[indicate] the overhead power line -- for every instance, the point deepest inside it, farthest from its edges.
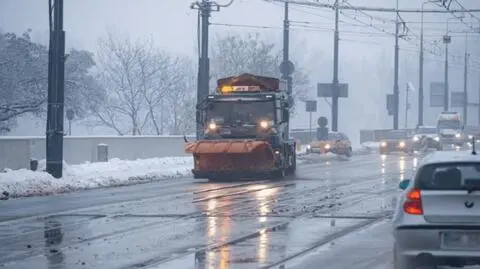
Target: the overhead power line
(376, 9)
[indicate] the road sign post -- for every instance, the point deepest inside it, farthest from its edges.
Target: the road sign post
(310, 107)
(331, 90)
(457, 99)
(437, 92)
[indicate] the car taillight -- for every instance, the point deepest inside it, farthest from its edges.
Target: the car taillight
(413, 203)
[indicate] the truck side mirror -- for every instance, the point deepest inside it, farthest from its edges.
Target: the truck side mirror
(286, 115)
(198, 116)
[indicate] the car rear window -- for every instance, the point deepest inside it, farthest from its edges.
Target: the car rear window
(449, 176)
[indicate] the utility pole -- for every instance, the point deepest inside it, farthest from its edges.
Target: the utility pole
(287, 67)
(446, 40)
(56, 89)
(205, 9)
(420, 80)
(335, 86)
(395, 83)
(465, 83)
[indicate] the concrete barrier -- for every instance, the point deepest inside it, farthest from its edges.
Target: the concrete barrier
(16, 152)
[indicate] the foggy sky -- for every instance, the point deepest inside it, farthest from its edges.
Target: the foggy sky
(172, 25)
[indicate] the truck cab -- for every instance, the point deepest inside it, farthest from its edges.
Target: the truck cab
(450, 129)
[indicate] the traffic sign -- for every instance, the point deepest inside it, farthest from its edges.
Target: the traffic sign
(437, 93)
(322, 121)
(311, 106)
(390, 104)
(457, 99)
(70, 114)
(287, 67)
(327, 90)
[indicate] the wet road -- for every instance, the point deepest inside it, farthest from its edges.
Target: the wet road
(195, 224)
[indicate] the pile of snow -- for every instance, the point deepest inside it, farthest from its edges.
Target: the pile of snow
(93, 175)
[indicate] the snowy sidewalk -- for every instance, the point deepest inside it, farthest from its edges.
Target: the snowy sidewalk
(116, 172)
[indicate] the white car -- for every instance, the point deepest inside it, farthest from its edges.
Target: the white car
(437, 218)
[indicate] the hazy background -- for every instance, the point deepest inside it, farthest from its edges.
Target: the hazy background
(366, 48)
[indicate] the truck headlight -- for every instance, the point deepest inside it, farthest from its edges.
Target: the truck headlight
(415, 138)
(264, 124)
(212, 126)
(401, 144)
(327, 146)
(383, 144)
(437, 138)
(458, 135)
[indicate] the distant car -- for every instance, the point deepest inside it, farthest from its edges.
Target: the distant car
(336, 143)
(396, 141)
(437, 219)
(426, 138)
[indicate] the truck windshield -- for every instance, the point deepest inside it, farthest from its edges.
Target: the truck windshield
(424, 130)
(448, 124)
(244, 112)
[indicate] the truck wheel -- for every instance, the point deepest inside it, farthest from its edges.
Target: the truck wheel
(279, 174)
(293, 166)
(349, 152)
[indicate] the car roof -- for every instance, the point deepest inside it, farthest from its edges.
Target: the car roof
(439, 157)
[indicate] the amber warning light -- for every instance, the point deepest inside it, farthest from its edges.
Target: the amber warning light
(229, 89)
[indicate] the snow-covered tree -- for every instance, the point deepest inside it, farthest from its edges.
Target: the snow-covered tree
(236, 53)
(24, 79)
(147, 88)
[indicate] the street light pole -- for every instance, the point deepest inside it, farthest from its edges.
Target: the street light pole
(465, 82)
(420, 80)
(446, 40)
(395, 83)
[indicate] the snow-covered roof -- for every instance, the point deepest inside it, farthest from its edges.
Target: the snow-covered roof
(449, 157)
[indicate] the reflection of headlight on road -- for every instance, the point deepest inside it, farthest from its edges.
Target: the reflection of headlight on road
(437, 138)
(401, 144)
(383, 144)
(415, 138)
(212, 126)
(458, 135)
(327, 146)
(264, 124)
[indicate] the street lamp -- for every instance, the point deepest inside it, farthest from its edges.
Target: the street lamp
(420, 80)
(446, 40)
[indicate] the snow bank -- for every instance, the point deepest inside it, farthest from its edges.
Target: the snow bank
(93, 175)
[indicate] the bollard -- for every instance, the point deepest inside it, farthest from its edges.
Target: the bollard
(33, 164)
(102, 153)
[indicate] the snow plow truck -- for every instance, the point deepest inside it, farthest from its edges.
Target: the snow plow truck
(245, 126)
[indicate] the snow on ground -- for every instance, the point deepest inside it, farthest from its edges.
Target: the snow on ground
(23, 182)
(93, 175)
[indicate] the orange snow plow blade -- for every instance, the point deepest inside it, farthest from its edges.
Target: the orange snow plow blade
(231, 155)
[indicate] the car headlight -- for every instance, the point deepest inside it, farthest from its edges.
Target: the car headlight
(383, 144)
(470, 137)
(458, 135)
(415, 138)
(401, 144)
(309, 147)
(212, 126)
(437, 138)
(264, 124)
(327, 146)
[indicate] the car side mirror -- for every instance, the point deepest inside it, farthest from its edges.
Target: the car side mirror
(404, 184)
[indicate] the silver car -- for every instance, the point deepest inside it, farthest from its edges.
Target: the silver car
(437, 218)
